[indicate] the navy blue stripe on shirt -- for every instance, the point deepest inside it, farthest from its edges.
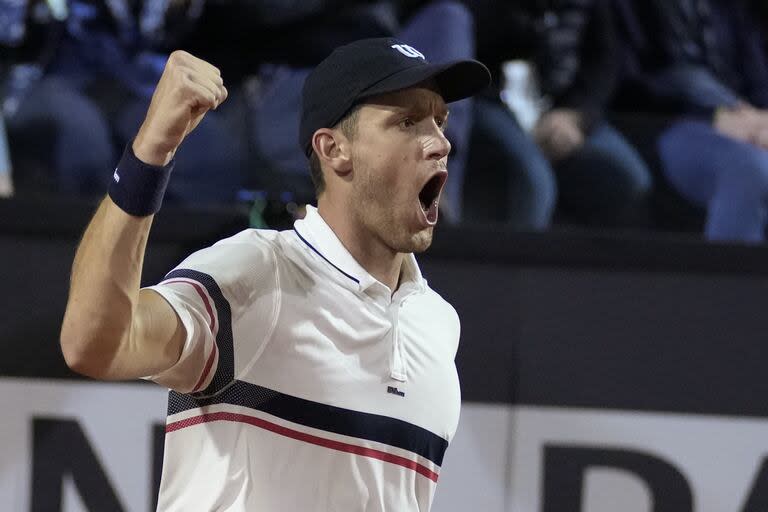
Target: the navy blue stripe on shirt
(326, 259)
(225, 371)
(372, 427)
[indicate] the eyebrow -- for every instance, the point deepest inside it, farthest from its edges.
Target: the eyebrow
(422, 109)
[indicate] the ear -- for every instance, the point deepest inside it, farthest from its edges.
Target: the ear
(333, 149)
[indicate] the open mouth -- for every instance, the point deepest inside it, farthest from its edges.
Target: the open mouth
(430, 196)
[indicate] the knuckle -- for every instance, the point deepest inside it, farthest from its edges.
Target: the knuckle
(180, 54)
(175, 58)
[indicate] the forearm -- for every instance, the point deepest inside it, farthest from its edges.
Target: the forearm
(104, 289)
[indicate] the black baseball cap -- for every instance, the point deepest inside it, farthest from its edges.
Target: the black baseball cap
(369, 67)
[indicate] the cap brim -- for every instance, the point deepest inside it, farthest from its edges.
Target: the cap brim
(455, 80)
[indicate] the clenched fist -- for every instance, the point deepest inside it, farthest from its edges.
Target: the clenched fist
(188, 88)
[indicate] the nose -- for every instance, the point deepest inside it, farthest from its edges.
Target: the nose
(438, 146)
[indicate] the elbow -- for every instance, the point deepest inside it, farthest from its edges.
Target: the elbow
(83, 352)
(77, 355)
(76, 361)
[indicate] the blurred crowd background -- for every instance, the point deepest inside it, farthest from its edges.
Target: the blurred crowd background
(605, 114)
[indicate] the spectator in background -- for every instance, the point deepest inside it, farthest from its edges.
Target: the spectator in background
(54, 131)
(500, 149)
(703, 62)
(292, 37)
(573, 152)
(91, 90)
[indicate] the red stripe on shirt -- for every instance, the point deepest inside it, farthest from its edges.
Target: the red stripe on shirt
(207, 369)
(302, 436)
(212, 356)
(200, 291)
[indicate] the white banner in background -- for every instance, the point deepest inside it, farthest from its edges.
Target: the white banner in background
(116, 420)
(91, 447)
(83, 437)
(576, 460)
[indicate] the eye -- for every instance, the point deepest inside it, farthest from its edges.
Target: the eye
(407, 123)
(441, 122)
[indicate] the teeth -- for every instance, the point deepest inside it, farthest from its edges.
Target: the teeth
(426, 208)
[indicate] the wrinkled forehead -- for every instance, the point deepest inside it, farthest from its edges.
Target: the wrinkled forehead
(424, 97)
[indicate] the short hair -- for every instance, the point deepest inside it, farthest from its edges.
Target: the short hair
(348, 126)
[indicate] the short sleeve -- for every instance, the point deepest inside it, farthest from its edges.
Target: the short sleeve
(227, 298)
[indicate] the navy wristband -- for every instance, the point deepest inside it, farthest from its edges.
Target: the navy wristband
(138, 188)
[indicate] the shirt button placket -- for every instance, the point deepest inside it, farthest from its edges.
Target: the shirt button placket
(398, 371)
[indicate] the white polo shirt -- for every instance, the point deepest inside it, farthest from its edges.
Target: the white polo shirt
(305, 384)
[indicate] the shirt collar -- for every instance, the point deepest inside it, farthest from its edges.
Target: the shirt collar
(318, 236)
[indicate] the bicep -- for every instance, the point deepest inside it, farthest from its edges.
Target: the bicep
(157, 335)
(153, 343)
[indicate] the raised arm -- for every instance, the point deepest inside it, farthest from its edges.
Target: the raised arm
(111, 329)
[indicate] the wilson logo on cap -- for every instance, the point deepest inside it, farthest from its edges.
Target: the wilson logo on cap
(408, 51)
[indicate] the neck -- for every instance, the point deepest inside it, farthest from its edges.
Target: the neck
(369, 251)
